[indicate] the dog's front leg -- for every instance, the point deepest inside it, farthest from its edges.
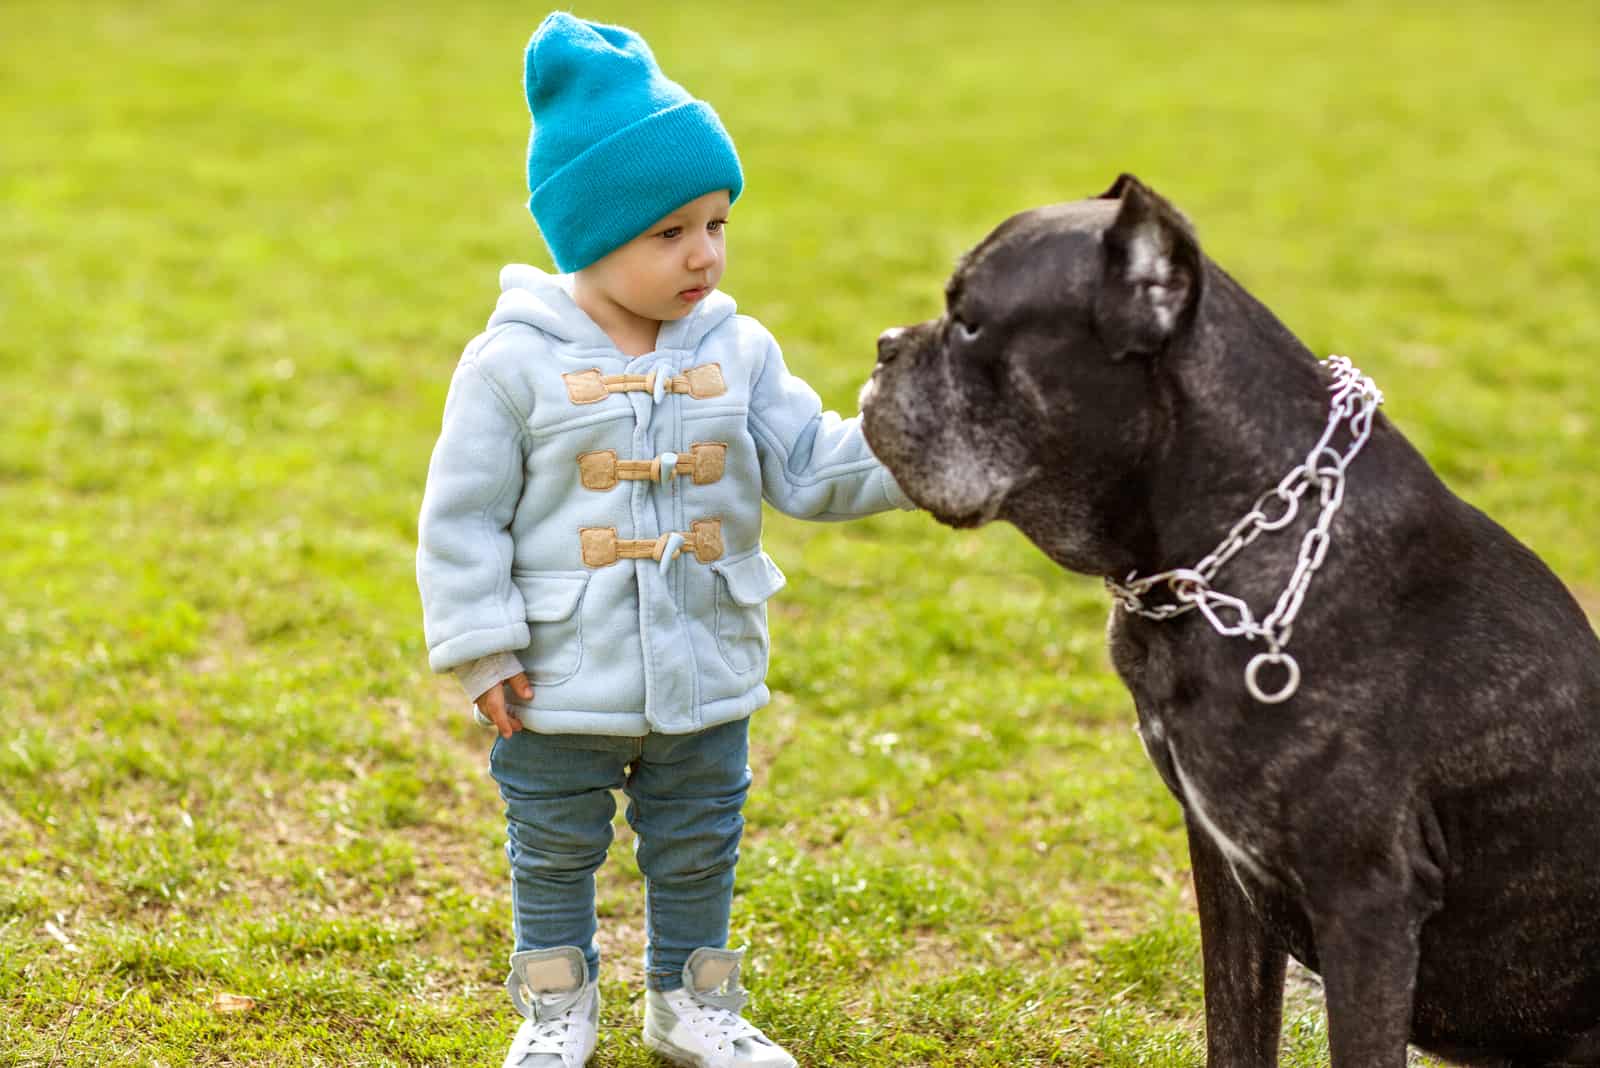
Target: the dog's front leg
(1243, 967)
(1367, 945)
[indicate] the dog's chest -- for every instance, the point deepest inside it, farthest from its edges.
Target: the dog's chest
(1231, 822)
(1216, 799)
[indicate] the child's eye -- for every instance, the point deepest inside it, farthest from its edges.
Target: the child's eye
(671, 232)
(716, 225)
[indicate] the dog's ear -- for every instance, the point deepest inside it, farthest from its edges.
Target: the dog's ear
(1120, 186)
(1151, 280)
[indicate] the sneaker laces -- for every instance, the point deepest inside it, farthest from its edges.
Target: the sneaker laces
(716, 1024)
(549, 1035)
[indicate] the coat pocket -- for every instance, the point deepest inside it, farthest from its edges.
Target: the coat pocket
(555, 623)
(744, 583)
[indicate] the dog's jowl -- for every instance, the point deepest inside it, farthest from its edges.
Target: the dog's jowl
(1405, 792)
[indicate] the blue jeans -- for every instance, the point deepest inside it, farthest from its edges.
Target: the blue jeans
(685, 794)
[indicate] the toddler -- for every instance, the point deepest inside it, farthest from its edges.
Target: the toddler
(590, 544)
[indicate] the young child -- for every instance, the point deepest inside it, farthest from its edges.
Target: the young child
(590, 543)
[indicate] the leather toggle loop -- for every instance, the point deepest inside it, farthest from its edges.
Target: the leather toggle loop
(698, 382)
(601, 547)
(704, 463)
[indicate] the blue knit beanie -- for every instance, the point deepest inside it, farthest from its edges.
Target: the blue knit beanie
(615, 144)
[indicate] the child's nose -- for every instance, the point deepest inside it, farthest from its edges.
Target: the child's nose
(702, 254)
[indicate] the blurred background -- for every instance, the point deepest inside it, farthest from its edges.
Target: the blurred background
(240, 252)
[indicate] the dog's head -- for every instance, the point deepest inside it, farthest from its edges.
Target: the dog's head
(1031, 398)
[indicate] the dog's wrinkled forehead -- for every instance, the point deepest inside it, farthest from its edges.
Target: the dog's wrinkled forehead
(1045, 252)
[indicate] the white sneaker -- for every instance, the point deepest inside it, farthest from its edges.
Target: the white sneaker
(552, 988)
(700, 1026)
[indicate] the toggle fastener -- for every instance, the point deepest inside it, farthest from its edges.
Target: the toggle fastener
(601, 547)
(704, 464)
(592, 387)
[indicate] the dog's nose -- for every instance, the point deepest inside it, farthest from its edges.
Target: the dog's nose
(887, 341)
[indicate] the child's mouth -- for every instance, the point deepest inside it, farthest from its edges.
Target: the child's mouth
(692, 295)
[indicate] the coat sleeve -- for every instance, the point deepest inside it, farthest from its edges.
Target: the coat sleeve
(470, 608)
(814, 465)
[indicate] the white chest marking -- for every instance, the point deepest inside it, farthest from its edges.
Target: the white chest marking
(1153, 736)
(1236, 854)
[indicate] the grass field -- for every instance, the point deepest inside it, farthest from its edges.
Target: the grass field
(240, 249)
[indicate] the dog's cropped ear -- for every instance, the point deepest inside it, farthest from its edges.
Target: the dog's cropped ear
(1151, 280)
(1120, 186)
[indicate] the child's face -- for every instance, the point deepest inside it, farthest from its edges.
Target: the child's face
(665, 271)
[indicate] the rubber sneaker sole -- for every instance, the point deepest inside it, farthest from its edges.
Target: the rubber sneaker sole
(675, 1054)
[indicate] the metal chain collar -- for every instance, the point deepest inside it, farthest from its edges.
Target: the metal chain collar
(1355, 399)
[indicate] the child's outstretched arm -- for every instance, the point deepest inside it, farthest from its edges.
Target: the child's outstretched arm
(814, 465)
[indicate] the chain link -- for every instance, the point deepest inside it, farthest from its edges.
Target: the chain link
(1356, 398)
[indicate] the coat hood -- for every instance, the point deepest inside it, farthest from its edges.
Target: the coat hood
(544, 301)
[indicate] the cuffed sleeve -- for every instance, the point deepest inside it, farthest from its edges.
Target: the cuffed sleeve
(479, 675)
(814, 465)
(470, 608)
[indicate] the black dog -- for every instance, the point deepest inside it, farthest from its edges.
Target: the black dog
(1417, 815)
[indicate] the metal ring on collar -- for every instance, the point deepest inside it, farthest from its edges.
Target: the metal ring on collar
(1289, 687)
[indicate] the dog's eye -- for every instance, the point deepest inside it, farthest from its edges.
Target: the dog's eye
(964, 330)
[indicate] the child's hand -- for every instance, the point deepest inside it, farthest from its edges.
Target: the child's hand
(492, 703)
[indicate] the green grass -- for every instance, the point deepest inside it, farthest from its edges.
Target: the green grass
(240, 249)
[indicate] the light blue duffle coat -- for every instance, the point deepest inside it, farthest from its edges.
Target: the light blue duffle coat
(600, 516)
